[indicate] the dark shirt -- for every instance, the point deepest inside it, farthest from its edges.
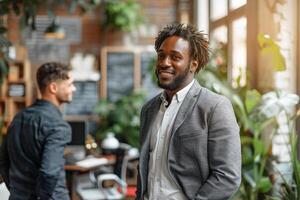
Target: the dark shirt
(31, 157)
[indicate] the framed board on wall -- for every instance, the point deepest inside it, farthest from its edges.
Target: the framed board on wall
(124, 69)
(119, 72)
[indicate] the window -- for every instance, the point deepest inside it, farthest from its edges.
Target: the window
(219, 34)
(239, 50)
(218, 9)
(228, 25)
(234, 4)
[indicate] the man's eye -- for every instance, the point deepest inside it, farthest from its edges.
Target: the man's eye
(176, 58)
(160, 56)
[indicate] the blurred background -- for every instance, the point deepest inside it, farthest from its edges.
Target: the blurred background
(255, 57)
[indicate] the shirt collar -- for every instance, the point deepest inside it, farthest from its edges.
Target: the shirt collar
(179, 96)
(48, 104)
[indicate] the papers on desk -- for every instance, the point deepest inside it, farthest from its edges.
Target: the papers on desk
(92, 162)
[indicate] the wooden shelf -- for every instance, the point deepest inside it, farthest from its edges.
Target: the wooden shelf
(82, 118)
(18, 99)
(16, 91)
(21, 81)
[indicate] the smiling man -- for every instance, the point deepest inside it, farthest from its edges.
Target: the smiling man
(31, 157)
(189, 137)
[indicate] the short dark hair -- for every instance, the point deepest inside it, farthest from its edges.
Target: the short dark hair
(199, 45)
(50, 72)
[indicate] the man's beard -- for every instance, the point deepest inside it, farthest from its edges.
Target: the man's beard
(176, 82)
(64, 100)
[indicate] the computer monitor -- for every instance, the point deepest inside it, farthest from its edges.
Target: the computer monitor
(79, 132)
(75, 150)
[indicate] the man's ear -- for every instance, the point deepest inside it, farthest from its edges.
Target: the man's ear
(52, 87)
(194, 66)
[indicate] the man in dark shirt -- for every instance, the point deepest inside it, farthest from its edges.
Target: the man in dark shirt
(31, 157)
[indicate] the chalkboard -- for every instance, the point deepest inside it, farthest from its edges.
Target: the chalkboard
(71, 26)
(120, 72)
(147, 82)
(47, 51)
(84, 100)
(41, 49)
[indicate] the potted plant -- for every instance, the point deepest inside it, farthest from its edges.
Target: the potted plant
(123, 15)
(121, 118)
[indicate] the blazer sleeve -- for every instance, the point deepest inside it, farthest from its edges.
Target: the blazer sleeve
(4, 162)
(52, 162)
(224, 154)
(138, 184)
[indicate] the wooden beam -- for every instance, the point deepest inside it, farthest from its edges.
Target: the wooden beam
(232, 15)
(252, 44)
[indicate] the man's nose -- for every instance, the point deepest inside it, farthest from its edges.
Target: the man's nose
(166, 61)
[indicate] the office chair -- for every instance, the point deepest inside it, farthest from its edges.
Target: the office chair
(106, 183)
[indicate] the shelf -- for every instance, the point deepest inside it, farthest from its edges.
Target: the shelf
(15, 93)
(18, 71)
(18, 99)
(21, 81)
(82, 117)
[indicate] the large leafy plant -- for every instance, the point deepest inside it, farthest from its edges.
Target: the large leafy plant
(256, 115)
(123, 15)
(290, 189)
(121, 117)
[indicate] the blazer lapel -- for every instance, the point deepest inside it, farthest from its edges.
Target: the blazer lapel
(150, 115)
(187, 105)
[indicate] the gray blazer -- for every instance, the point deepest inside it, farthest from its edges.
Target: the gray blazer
(204, 156)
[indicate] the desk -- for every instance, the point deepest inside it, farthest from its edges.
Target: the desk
(73, 170)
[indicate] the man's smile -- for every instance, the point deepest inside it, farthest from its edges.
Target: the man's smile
(166, 73)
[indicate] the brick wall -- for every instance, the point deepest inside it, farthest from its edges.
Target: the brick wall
(157, 13)
(94, 35)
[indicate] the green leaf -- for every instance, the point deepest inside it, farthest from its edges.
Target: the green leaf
(247, 157)
(259, 149)
(248, 177)
(123, 15)
(270, 53)
(264, 40)
(122, 117)
(264, 184)
(295, 161)
(246, 140)
(253, 98)
(273, 58)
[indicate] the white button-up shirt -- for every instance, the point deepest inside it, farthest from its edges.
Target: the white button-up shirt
(160, 182)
